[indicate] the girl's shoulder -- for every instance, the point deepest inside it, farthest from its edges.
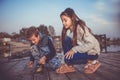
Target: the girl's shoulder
(79, 29)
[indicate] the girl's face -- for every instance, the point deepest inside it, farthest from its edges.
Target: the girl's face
(67, 22)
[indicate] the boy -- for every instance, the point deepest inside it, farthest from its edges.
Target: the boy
(42, 48)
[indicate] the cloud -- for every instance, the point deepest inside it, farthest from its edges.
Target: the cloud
(100, 25)
(100, 6)
(108, 12)
(106, 7)
(115, 1)
(98, 20)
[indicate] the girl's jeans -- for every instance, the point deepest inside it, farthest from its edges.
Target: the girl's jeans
(78, 58)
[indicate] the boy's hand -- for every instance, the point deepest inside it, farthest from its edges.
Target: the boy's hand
(42, 60)
(30, 64)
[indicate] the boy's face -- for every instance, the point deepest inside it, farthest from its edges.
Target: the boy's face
(35, 39)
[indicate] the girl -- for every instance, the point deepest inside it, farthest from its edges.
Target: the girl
(79, 44)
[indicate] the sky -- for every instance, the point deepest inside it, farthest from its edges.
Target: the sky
(102, 16)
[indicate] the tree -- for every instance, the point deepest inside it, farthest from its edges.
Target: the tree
(5, 35)
(43, 29)
(51, 30)
(15, 36)
(23, 31)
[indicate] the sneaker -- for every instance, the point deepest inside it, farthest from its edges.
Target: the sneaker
(91, 68)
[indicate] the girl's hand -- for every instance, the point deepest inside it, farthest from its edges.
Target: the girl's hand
(42, 60)
(69, 54)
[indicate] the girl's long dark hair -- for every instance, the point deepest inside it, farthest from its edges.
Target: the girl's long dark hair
(75, 20)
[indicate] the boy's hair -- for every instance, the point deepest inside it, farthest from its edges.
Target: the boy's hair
(31, 31)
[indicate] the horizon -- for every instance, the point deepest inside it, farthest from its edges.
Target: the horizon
(101, 16)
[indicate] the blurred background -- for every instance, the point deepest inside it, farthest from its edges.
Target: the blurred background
(16, 16)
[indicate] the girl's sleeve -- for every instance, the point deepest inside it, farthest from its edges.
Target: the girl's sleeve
(85, 44)
(83, 47)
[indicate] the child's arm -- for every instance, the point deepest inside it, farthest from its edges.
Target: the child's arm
(87, 44)
(42, 60)
(30, 64)
(31, 58)
(52, 50)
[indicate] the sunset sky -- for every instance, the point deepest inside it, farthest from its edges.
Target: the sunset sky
(100, 15)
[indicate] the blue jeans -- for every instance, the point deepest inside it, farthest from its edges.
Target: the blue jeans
(78, 58)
